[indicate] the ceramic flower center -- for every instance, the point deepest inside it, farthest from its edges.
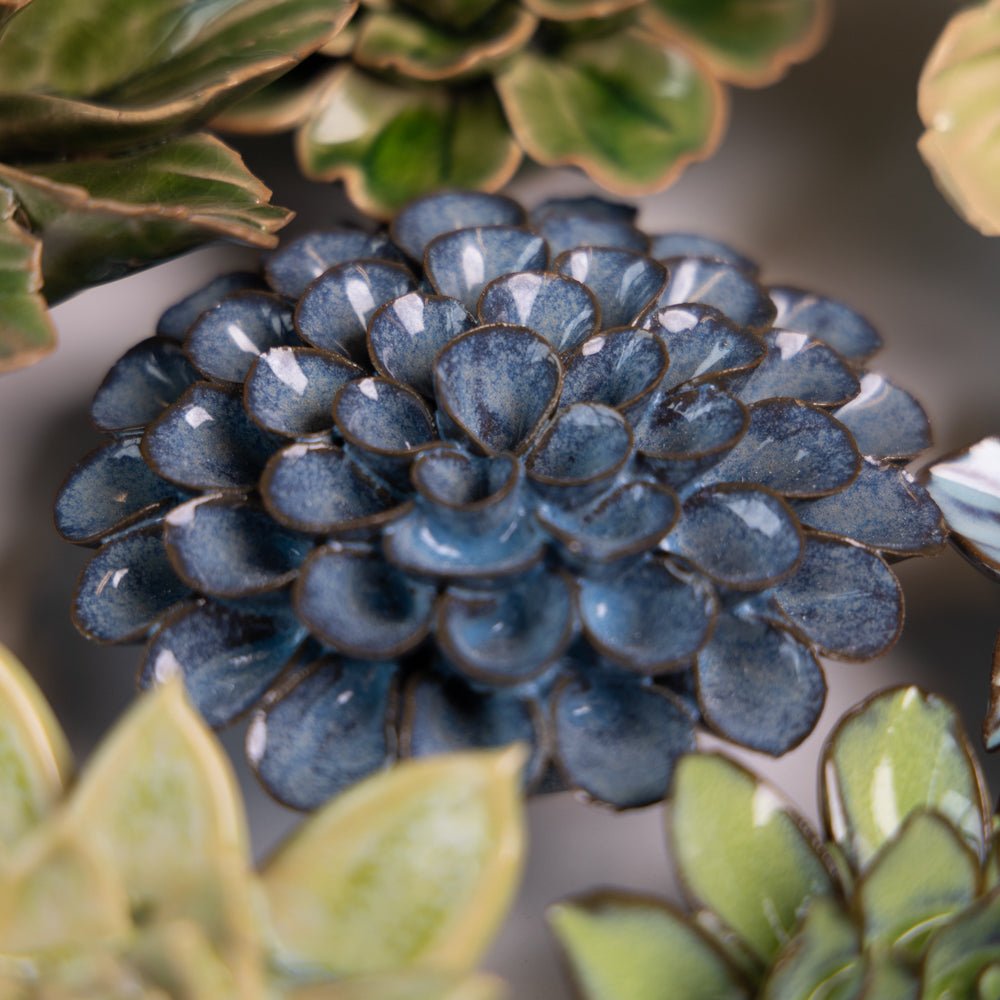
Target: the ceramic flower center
(488, 478)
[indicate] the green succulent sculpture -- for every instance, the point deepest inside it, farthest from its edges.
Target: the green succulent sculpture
(136, 882)
(416, 96)
(959, 103)
(102, 169)
(902, 902)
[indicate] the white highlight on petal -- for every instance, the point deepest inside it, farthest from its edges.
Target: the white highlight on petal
(166, 666)
(359, 294)
(196, 416)
(368, 388)
(883, 793)
(764, 806)
(286, 369)
(257, 738)
(241, 340)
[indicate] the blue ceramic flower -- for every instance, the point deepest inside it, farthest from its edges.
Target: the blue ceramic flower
(492, 477)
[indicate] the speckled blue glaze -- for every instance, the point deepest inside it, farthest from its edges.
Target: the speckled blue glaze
(500, 480)
(177, 320)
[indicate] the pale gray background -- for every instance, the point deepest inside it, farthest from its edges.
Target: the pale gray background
(819, 179)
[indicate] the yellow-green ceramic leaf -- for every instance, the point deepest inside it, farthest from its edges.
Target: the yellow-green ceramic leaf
(988, 984)
(958, 97)
(391, 143)
(750, 42)
(408, 985)
(632, 948)
(918, 881)
(822, 961)
(742, 852)
(396, 41)
(415, 867)
(628, 110)
(901, 751)
(34, 756)
(887, 977)
(959, 953)
(99, 219)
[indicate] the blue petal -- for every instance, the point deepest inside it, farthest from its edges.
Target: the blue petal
(883, 508)
(316, 487)
(443, 715)
(621, 368)
(111, 488)
(670, 245)
(328, 730)
(844, 599)
(126, 587)
(584, 206)
(562, 310)
(508, 634)
(886, 421)
(362, 606)
(383, 417)
(628, 521)
(720, 285)
(702, 343)
(226, 340)
(461, 264)
(801, 368)
(498, 383)
(141, 384)
(792, 448)
(759, 686)
(742, 537)
(966, 486)
(648, 617)
(623, 282)
(228, 657)
(406, 334)
(618, 741)
(290, 390)
(226, 547)
(207, 441)
(291, 269)
(572, 232)
(177, 320)
(420, 221)
(334, 311)
(832, 322)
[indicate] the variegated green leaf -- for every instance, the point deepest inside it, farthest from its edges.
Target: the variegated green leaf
(34, 756)
(959, 953)
(413, 868)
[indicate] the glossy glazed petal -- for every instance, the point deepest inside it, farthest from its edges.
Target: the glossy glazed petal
(617, 740)
(176, 321)
(334, 310)
(563, 231)
(361, 605)
(290, 390)
(666, 246)
(141, 385)
(406, 334)
(836, 324)
(333, 702)
(383, 417)
(718, 284)
(886, 421)
(624, 282)
(126, 587)
(225, 340)
(228, 657)
(844, 598)
(648, 617)
(758, 685)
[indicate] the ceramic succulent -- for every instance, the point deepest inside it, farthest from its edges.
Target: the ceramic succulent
(959, 99)
(414, 97)
(966, 486)
(485, 479)
(102, 169)
(136, 881)
(901, 901)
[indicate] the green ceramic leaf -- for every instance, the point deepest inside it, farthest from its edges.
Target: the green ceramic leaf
(26, 331)
(742, 852)
(34, 756)
(575, 10)
(750, 42)
(887, 978)
(958, 96)
(822, 961)
(919, 879)
(408, 985)
(396, 41)
(623, 947)
(988, 984)
(100, 219)
(960, 952)
(901, 751)
(391, 143)
(459, 13)
(415, 867)
(626, 109)
(278, 107)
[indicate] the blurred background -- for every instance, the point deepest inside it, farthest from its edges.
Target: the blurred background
(820, 181)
